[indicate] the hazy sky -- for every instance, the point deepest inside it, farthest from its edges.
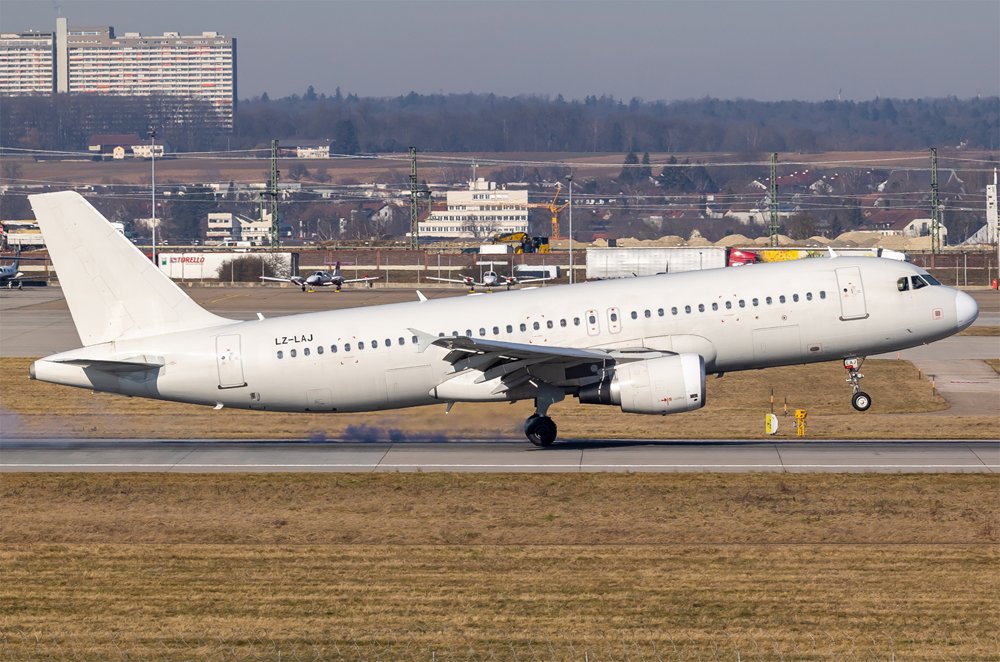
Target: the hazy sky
(803, 49)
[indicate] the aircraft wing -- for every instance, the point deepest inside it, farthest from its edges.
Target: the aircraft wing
(366, 279)
(521, 281)
(517, 363)
(461, 281)
(298, 280)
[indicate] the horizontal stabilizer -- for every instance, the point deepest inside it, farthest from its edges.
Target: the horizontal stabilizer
(129, 365)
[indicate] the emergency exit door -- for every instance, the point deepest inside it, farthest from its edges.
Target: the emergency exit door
(230, 361)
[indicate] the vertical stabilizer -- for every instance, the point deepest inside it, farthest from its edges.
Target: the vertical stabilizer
(112, 289)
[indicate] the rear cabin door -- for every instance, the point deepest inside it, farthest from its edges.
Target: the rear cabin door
(229, 359)
(852, 294)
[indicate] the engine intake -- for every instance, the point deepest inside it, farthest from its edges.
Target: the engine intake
(667, 385)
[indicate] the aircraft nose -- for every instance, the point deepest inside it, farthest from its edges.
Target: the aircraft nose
(966, 310)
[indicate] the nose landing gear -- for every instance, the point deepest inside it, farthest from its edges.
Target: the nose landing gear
(860, 400)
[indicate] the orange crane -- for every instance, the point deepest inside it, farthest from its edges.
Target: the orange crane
(554, 208)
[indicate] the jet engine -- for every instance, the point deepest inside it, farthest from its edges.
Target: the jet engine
(665, 385)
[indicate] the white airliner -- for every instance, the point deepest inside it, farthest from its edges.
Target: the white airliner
(322, 279)
(642, 344)
(490, 280)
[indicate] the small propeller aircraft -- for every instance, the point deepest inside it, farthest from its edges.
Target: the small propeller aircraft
(490, 280)
(10, 273)
(322, 279)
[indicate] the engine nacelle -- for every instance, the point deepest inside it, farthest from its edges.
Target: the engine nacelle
(667, 385)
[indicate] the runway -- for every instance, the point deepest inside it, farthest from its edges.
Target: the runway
(178, 456)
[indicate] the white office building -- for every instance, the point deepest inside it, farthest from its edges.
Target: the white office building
(478, 213)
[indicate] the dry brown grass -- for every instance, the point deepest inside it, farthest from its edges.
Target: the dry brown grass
(438, 566)
(904, 407)
(980, 331)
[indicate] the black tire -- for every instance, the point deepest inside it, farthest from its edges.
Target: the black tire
(540, 430)
(861, 401)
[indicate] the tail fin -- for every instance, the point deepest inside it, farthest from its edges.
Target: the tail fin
(113, 290)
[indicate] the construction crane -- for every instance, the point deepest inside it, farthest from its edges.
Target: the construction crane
(554, 208)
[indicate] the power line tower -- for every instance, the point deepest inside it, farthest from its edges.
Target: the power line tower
(272, 191)
(935, 206)
(773, 227)
(414, 208)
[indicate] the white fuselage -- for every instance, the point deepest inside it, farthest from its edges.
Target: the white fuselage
(369, 358)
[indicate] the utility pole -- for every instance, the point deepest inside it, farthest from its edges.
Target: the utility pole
(773, 227)
(273, 193)
(414, 209)
(935, 207)
(152, 168)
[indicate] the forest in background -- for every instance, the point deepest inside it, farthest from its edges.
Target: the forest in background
(491, 123)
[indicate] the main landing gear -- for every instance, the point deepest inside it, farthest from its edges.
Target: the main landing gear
(539, 428)
(860, 400)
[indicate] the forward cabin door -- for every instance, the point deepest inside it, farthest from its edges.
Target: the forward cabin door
(230, 361)
(852, 294)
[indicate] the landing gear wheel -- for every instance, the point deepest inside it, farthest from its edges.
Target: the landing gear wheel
(540, 430)
(861, 401)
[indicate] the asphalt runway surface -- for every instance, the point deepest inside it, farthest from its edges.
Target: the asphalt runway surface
(177, 456)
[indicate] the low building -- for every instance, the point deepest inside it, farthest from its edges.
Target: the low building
(229, 227)
(480, 211)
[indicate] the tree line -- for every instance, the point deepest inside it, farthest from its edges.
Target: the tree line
(491, 123)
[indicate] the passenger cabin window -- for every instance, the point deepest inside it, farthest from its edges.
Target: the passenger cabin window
(659, 311)
(319, 350)
(647, 313)
(535, 326)
(635, 315)
(701, 307)
(576, 321)
(549, 324)
(673, 310)
(795, 298)
(281, 354)
(510, 329)
(482, 331)
(614, 317)
(729, 305)
(715, 306)
(781, 299)
(347, 346)
(523, 326)
(562, 322)
(769, 301)
(305, 352)
(809, 296)
(291, 353)
(755, 301)
(333, 349)
(361, 346)
(496, 330)
(687, 309)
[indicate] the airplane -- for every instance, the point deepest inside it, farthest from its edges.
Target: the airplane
(644, 344)
(322, 279)
(490, 280)
(10, 273)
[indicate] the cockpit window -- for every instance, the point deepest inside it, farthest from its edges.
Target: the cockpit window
(903, 284)
(931, 279)
(918, 282)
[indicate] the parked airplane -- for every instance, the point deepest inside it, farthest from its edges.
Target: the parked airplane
(490, 280)
(642, 344)
(322, 279)
(10, 273)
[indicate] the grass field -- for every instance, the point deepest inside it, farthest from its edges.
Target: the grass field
(904, 407)
(442, 566)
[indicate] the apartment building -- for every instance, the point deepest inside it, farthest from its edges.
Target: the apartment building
(27, 63)
(96, 60)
